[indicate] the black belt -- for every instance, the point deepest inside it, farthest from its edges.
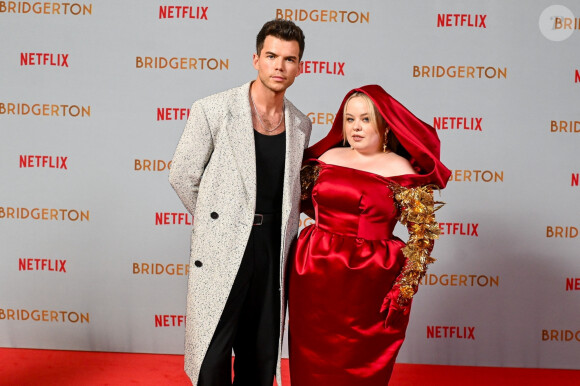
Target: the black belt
(268, 218)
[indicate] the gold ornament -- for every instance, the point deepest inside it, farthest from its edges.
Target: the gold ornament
(417, 208)
(308, 176)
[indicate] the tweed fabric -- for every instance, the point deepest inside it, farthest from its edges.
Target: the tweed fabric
(214, 174)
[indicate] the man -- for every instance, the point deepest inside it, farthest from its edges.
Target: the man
(236, 169)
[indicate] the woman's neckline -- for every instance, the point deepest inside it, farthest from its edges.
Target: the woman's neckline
(365, 171)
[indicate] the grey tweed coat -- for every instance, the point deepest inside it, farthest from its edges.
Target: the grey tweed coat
(214, 173)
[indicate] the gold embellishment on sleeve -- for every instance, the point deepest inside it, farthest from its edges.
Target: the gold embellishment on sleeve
(308, 176)
(417, 208)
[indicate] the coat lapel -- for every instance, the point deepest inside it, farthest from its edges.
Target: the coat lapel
(294, 149)
(241, 135)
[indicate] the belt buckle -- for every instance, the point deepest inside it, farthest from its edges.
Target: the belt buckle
(261, 217)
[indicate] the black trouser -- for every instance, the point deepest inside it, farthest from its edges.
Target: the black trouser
(250, 322)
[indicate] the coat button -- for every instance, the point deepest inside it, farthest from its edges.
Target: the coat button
(214, 215)
(198, 263)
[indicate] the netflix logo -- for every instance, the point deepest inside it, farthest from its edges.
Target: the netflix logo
(182, 12)
(43, 59)
(169, 320)
(43, 161)
(573, 284)
(457, 123)
(458, 228)
(30, 264)
(166, 218)
(172, 113)
(461, 20)
(321, 67)
(450, 332)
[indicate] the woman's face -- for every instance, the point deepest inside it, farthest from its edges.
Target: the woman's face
(360, 130)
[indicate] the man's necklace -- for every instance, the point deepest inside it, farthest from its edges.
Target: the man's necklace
(260, 118)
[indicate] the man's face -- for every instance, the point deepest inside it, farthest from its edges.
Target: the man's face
(278, 64)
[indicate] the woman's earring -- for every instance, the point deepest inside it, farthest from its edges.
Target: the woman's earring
(385, 142)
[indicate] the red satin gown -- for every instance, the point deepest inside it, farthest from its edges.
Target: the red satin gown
(343, 267)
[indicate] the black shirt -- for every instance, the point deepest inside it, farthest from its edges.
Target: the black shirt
(270, 156)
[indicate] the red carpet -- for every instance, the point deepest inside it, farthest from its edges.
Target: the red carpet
(46, 367)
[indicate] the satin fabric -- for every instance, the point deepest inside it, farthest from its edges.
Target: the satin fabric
(347, 262)
(344, 265)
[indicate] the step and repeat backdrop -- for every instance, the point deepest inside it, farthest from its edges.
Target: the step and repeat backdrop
(94, 96)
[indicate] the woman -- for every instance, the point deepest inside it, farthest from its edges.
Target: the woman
(351, 280)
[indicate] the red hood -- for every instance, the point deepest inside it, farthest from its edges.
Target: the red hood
(417, 137)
